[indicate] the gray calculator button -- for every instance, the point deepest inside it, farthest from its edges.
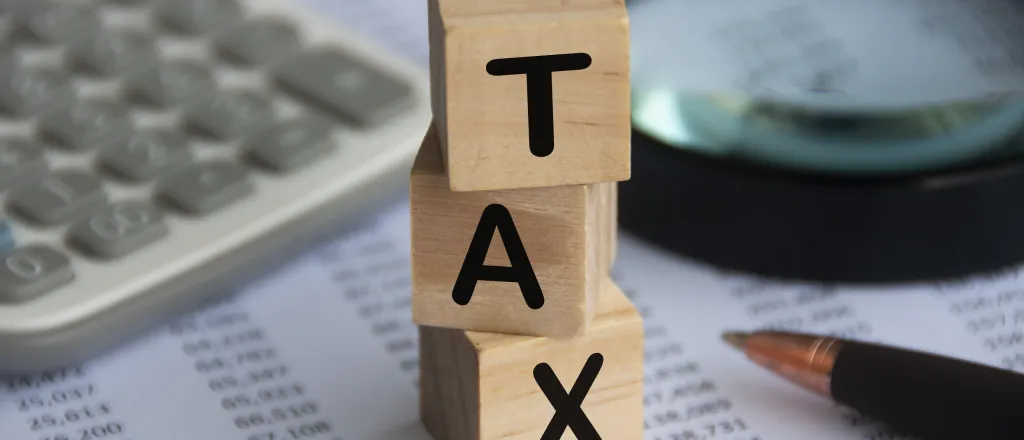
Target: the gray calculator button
(230, 113)
(199, 16)
(207, 187)
(20, 161)
(292, 144)
(114, 53)
(30, 271)
(145, 155)
(58, 198)
(259, 41)
(119, 229)
(25, 91)
(52, 21)
(172, 83)
(87, 124)
(343, 84)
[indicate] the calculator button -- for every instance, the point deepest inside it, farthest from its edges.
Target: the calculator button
(6, 237)
(26, 91)
(20, 161)
(231, 113)
(87, 124)
(58, 198)
(114, 53)
(292, 144)
(146, 155)
(30, 271)
(53, 22)
(343, 84)
(258, 41)
(172, 83)
(199, 16)
(207, 187)
(119, 229)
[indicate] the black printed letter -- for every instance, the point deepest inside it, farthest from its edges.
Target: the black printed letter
(520, 271)
(539, 100)
(569, 407)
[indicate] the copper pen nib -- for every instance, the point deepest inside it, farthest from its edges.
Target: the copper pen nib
(806, 360)
(736, 339)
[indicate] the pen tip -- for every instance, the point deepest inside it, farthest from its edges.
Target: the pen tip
(736, 339)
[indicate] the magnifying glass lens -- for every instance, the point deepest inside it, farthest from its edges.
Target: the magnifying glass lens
(829, 140)
(831, 86)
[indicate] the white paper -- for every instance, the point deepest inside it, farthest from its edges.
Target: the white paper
(337, 325)
(839, 53)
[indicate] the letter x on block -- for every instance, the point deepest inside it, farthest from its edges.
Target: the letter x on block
(569, 407)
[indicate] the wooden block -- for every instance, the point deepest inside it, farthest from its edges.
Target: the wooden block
(481, 386)
(613, 230)
(575, 129)
(560, 235)
(609, 219)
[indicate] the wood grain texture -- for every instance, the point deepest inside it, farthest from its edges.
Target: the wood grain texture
(483, 119)
(560, 229)
(613, 230)
(609, 219)
(480, 386)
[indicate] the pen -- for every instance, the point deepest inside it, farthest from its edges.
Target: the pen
(922, 395)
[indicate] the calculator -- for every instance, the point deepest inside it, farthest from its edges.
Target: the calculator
(153, 153)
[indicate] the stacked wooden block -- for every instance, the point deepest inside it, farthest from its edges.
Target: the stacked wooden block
(523, 334)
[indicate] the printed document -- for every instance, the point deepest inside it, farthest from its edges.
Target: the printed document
(326, 350)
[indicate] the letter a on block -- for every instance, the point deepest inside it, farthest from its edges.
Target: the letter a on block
(473, 269)
(531, 93)
(524, 261)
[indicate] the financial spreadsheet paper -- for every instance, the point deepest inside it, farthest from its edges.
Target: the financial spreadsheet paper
(325, 349)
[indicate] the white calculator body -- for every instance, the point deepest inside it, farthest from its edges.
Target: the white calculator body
(154, 153)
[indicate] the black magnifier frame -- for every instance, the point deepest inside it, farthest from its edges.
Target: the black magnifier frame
(780, 223)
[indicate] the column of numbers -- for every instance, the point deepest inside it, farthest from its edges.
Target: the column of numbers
(243, 370)
(374, 277)
(681, 401)
(65, 405)
(996, 318)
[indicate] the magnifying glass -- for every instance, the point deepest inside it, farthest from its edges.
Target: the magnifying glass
(852, 143)
(818, 179)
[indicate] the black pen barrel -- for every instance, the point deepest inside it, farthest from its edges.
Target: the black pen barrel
(927, 396)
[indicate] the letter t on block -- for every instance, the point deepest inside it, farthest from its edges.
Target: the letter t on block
(522, 261)
(531, 93)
